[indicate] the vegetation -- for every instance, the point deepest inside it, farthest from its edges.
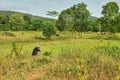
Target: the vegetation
(64, 55)
(80, 59)
(110, 11)
(49, 30)
(76, 18)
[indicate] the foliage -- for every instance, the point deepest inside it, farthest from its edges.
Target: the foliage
(109, 50)
(49, 30)
(16, 22)
(28, 21)
(47, 53)
(117, 22)
(74, 18)
(16, 50)
(81, 15)
(4, 25)
(52, 13)
(3, 19)
(93, 26)
(74, 64)
(80, 59)
(37, 25)
(60, 24)
(110, 10)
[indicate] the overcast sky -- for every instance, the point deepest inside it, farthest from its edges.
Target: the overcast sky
(40, 7)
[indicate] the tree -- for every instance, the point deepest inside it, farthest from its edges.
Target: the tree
(110, 10)
(61, 22)
(117, 21)
(81, 15)
(28, 21)
(37, 25)
(52, 13)
(75, 18)
(17, 22)
(49, 30)
(99, 25)
(93, 26)
(3, 19)
(4, 25)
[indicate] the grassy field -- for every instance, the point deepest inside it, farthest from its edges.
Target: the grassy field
(64, 57)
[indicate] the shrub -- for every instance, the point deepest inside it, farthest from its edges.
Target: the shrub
(16, 51)
(47, 53)
(49, 30)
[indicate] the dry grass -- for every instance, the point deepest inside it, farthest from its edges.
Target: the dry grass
(71, 58)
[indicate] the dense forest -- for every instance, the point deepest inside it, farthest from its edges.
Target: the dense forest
(76, 18)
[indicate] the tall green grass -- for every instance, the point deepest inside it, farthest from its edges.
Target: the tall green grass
(65, 57)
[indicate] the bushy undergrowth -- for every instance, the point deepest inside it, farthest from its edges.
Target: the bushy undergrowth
(73, 64)
(113, 51)
(16, 65)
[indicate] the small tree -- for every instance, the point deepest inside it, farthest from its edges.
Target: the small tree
(16, 22)
(49, 30)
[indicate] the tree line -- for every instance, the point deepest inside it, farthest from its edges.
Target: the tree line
(18, 22)
(75, 18)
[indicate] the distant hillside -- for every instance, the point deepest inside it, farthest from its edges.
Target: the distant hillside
(32, 16)
(35, 17)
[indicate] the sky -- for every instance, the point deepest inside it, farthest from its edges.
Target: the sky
(40, 7)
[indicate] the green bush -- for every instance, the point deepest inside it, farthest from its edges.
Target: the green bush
(47, 53)
(49, 30)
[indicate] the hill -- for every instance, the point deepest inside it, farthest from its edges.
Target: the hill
(8, 13)
(35, 17)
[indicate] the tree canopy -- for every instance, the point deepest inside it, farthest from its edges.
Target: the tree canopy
(49, 30)
(108, 21)
(75, 18)
(16, 22)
